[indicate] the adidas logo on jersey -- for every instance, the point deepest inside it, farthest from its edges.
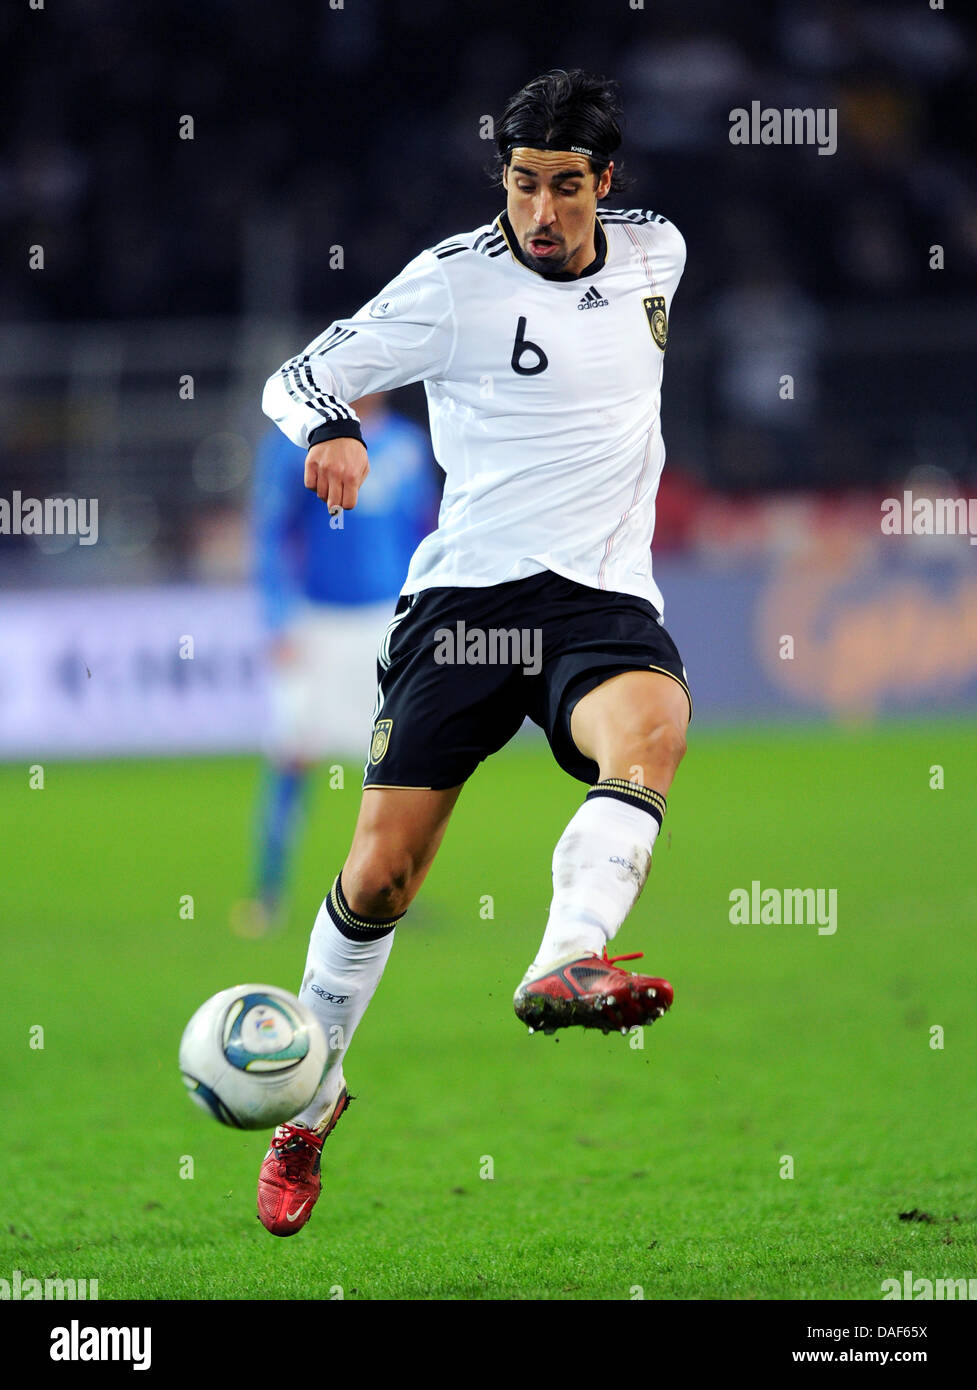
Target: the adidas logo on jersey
(592, 300)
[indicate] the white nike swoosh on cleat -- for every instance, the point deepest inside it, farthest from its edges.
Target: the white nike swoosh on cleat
(294, 1215)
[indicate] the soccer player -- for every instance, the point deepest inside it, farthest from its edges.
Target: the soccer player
(540, 340)
(326, 591)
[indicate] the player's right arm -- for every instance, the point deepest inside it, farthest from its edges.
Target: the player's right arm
(335, 470)
(404, 334)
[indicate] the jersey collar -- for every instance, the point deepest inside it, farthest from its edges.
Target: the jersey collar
(600, 245)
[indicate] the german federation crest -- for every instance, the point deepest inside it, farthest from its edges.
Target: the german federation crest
(657, 321)
(381, 737)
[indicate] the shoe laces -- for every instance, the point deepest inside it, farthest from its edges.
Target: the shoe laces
(288, 1142)
(612, 960)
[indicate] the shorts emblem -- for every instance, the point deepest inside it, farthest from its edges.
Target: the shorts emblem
(381, 739)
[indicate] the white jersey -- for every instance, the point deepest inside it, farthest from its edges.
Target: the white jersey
(543, 390)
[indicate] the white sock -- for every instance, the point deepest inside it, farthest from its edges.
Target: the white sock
(341, 977)
(600, 865)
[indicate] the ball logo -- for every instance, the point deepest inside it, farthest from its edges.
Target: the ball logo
(265, 1032)
(260, 1034)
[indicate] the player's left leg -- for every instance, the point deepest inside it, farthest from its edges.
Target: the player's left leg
(633, 727)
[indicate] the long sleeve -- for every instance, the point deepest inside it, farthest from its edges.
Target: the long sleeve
(404, 334)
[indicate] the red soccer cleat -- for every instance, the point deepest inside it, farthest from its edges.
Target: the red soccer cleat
(289, 1182)
(591, 992)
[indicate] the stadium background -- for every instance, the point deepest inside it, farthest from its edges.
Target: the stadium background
(359, 128)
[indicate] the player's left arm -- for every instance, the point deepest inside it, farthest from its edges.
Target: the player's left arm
(666, 248)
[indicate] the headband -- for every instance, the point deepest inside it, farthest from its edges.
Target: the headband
(596, 156)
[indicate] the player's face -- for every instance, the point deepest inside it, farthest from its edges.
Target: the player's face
(552, 204)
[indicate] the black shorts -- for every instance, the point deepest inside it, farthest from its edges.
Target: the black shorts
(459, 669)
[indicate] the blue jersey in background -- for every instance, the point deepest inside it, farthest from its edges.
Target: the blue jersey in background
(302, 558)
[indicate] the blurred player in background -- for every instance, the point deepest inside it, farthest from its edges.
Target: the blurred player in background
(327, 586)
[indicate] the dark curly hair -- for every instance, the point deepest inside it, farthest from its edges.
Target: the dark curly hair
(561, 109)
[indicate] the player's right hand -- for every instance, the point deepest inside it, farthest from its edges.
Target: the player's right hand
(335, 470)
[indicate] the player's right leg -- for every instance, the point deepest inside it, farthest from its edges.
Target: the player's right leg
(397, 835)
(435, 720)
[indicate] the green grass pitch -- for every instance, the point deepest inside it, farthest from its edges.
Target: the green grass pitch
(615, 1168)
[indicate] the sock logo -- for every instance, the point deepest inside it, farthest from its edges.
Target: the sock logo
(630, 870)
(330, 998)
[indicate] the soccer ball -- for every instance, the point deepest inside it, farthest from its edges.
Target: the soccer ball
(252, 1056)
